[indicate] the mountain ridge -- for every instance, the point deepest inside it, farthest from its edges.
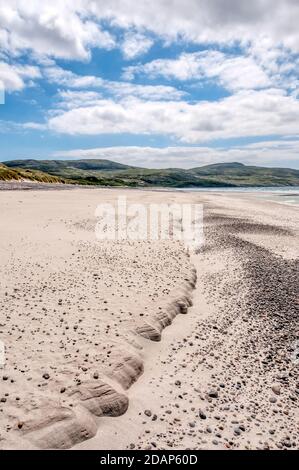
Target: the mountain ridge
(104, 172)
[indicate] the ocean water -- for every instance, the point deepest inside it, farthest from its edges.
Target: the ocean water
(287, 197)
(281, 194)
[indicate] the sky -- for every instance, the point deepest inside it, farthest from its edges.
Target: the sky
(165, 83)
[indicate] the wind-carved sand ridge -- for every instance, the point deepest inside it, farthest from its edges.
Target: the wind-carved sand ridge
(73, 315)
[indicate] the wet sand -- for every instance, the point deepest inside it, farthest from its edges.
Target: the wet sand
(99, 350)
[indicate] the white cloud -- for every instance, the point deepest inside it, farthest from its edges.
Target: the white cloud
(56, 28)
(69, 79)
(280, 64)
(117, 89)
(247, 113)
(271, 153)
(231, 72)
(69, 29)
(69, 99)
(34, 126)
(150, 92)
(135, 44)
(15, 77)
(213, 21)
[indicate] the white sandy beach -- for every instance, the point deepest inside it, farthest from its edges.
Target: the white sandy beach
(99, 350)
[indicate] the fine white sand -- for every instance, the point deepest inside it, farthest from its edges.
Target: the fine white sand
(88, 361)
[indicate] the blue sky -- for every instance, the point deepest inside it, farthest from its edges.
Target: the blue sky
(167, 83)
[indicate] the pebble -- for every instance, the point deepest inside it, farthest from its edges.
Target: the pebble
(213, 394)
(276, 389)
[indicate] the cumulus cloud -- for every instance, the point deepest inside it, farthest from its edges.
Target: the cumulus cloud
(215, 21)
(262, 66)
(269, 153)
(69, 29)
(231, 72)
(247, 113)
(15, 77)
(135, 44)
(59, 29)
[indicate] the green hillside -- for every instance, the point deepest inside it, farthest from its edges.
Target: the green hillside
(243, 175)
(108, 173)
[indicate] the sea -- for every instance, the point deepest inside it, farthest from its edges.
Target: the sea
(282, 194)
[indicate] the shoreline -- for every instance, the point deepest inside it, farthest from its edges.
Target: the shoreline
(36, 185)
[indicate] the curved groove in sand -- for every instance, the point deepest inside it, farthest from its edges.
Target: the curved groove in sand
(57, 427)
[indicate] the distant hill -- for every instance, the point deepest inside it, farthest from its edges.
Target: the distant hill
(109, 173)
(63, 166)
(91, 171)
(245, 175)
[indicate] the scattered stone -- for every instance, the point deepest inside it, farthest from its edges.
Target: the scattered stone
(276, 389)
(213, 394)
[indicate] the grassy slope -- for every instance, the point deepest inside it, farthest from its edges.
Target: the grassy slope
(20, 174)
